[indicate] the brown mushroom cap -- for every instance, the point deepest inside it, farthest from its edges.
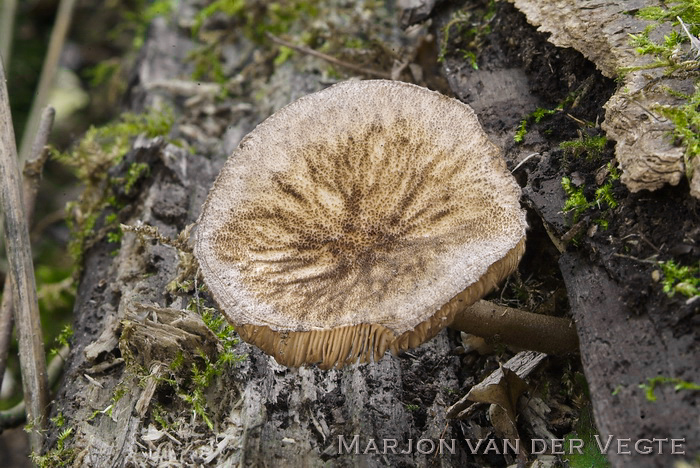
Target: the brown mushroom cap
(358, 219)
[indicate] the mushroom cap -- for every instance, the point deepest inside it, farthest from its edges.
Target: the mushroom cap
(358, 219)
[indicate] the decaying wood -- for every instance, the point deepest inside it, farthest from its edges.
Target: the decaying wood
(522, 364)
(600, 31)
(263, 414)
(622, 346)
(264, 411)
(619, 351)
(19, 254)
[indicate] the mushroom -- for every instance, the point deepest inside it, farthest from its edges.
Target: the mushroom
(357, 219)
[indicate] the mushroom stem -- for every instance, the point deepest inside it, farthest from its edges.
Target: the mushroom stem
(536, 332)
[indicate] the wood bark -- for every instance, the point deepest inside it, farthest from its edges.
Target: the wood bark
(648, 155)
(619, 351)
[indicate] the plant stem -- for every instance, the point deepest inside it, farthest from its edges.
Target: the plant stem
(30, 186)
(7, 23)
(329, 58)
(19, 254)
(48, 73)
(536, 332)
(17, 415)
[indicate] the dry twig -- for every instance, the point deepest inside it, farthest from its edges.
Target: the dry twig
(7, 29)
(329, 58)
(31, 346)
(48, 73)
(30, 186)
(17, 414)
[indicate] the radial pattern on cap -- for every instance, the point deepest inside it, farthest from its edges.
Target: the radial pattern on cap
(368, 203)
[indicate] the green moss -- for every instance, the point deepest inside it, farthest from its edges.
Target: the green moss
(177, 362)
(115, 237)
(189, 377)
(521, 132)
(536, 117)
(604, 200)
(591, 146)
(613, 171)
(283, 55)
(466, 32)
(686, 121)
(204, 370)
(103, 147)
(663, 52)
(119, 392)
(136, 20)
(63, 338)
(256, 19)
(201, 378)
(217, 324)
(159, 415)
(59, 420)
(82, 227)
(679, 385)
(576, 201)
(102, 72)
(135, 173)
(604, 196)
(226, 7)
(666, 52)
(90, 159)
(586, 431)
(59, 456)
(688, 10)
(207, 63)
(126, 39)
(685, 116)
(680, 279)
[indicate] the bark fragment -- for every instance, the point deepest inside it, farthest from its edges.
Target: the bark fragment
(600, 31)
